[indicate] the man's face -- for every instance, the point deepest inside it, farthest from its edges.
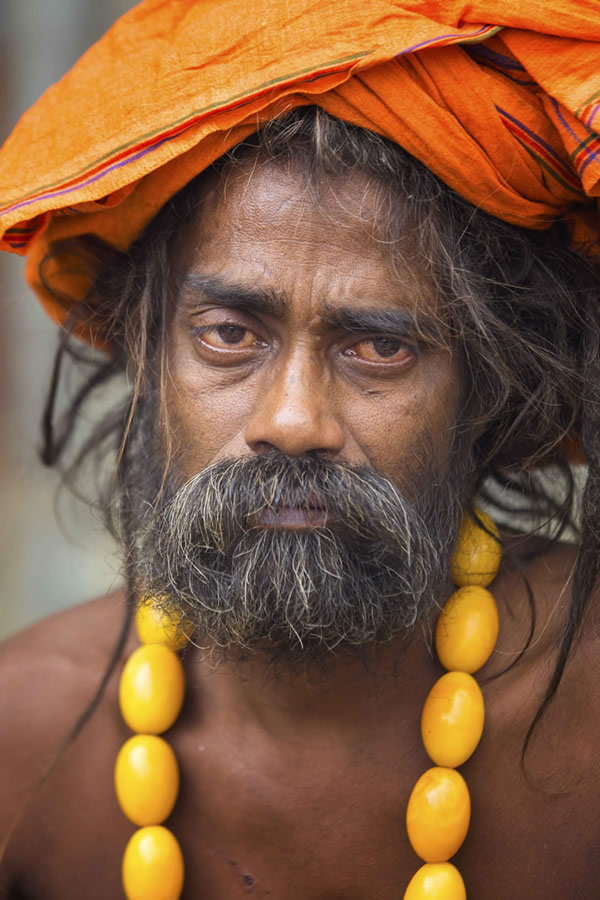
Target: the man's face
(291, 333)
(314, 490)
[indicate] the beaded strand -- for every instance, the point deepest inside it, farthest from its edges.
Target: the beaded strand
(439, 808)
(151, 694)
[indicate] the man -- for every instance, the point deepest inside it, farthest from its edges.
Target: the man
(331, 354)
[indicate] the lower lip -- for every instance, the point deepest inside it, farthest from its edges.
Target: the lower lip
(293, 518)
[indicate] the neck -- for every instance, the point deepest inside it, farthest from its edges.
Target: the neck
(350, 691)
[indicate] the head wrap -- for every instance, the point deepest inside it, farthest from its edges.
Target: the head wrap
(500, 98)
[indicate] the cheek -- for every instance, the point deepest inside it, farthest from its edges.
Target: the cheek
(206, 422)
(406, 431)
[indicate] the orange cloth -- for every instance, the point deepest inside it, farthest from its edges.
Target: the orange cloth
(500, 98)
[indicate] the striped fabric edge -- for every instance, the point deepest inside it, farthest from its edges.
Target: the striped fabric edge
(128, 153)
(507, 66)
(586, 148)
(144, 144)
(19, 236)
(588, 109)
(542, 152)
(587, 152)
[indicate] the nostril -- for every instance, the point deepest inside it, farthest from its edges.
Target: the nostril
(262, 447)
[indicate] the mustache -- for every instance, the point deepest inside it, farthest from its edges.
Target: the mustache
(370, 571)
(231, 499)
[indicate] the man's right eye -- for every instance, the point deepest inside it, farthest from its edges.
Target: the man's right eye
(227, 337)
(232, 334)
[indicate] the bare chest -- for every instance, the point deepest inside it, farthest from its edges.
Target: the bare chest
(305, 836)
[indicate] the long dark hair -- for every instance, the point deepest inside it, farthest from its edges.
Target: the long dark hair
(520, 307)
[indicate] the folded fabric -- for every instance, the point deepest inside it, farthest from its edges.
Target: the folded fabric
(500, 98)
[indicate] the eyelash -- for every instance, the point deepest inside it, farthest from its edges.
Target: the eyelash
(198, 331)
(374, 339)
(349, 352)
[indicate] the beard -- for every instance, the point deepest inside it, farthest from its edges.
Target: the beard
(374, 566)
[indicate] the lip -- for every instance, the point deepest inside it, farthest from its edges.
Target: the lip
(290, 518)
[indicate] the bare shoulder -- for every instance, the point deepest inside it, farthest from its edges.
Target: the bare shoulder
(48, 670)
(76, 632)
(47, 667)
(49, 673)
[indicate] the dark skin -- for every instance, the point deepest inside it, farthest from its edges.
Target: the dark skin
(295, 784)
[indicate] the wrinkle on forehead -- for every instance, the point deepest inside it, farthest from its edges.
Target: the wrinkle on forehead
(327, 230)
(345, 202)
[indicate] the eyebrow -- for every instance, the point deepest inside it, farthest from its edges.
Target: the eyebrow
(238, 296)
(267, 301)
(390, 321)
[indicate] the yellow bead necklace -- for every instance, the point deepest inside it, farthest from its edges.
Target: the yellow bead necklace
(437, 818)
(146, 772)
(439, 808)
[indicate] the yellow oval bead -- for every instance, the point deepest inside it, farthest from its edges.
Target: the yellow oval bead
(476, 557)
(151, 689)
(153, 865)
(155, 626)
(452, 719)
(438, 814)
(146, 779)
(436, 881)
(467, 629)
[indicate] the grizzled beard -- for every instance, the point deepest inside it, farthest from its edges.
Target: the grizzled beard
(374, 569)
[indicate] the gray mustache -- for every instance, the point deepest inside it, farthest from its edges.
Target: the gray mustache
(226, 499)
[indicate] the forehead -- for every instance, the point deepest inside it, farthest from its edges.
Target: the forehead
(314, 242)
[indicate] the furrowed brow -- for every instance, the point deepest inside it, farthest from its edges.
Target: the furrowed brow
(238, 296)
(387, 321)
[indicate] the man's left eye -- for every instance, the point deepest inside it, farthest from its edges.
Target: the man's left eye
(383, 349)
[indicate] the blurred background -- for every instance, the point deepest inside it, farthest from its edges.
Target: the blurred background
(52, 554)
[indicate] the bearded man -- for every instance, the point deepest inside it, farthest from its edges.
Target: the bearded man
(344, 258)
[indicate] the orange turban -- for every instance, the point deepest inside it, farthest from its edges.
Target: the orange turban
(500, 98)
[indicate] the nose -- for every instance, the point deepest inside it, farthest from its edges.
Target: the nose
(295, 411)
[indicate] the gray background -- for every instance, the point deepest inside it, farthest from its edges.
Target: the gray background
(46, 563)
